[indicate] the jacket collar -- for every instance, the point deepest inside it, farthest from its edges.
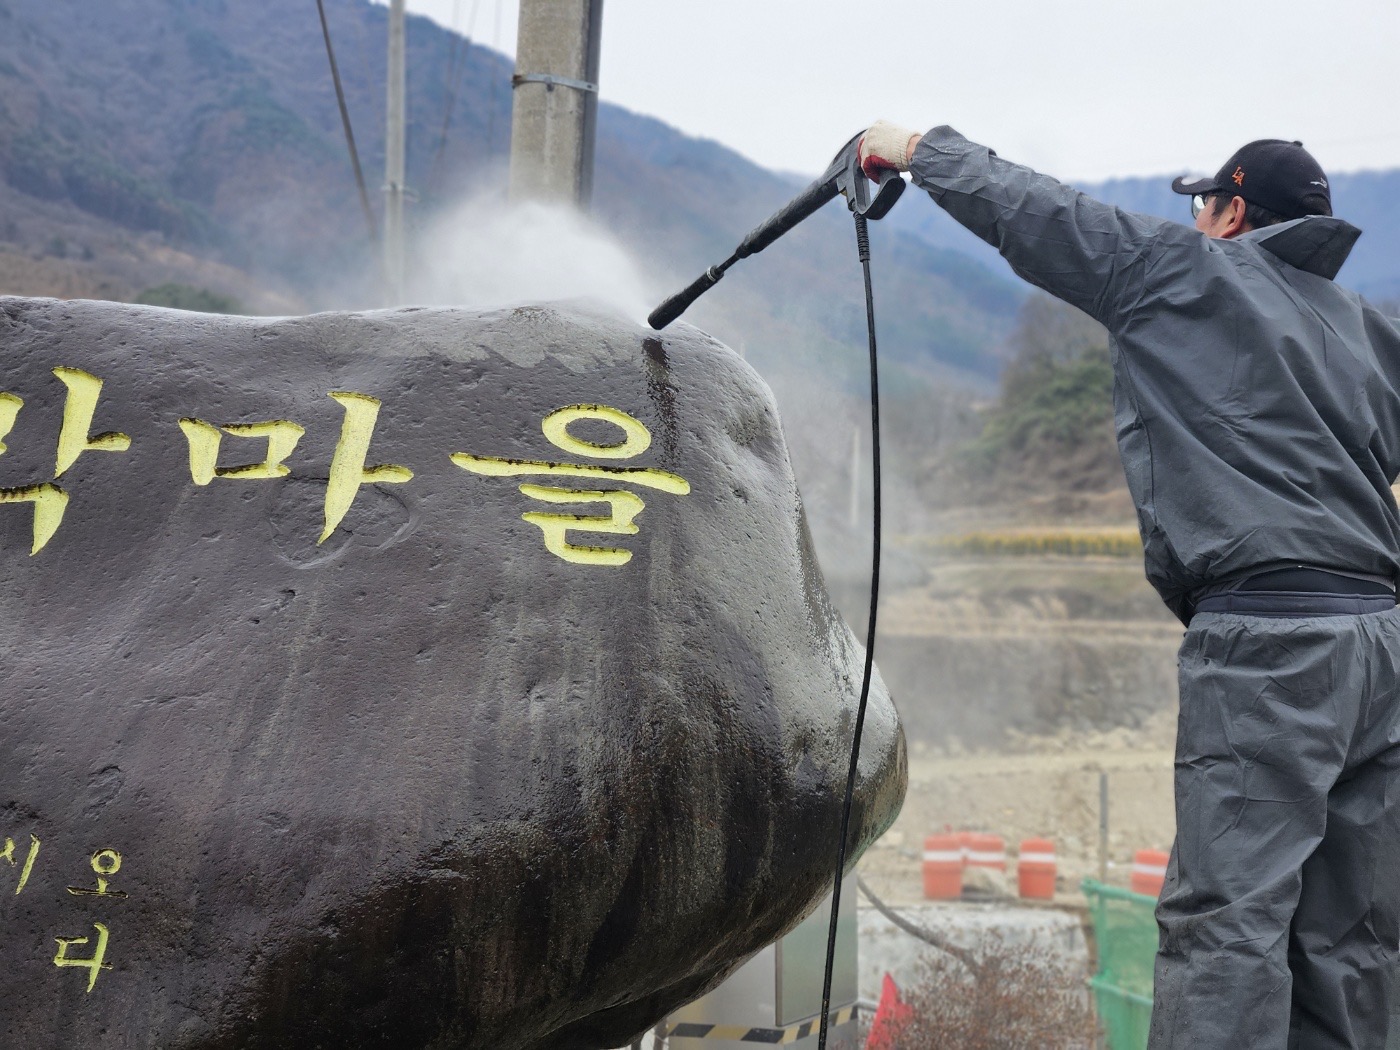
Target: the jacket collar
(1317, 244)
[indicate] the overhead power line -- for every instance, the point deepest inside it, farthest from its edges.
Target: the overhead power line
(452, 84)
(345, 123)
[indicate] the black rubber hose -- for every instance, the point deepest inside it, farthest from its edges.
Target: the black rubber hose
(863, 247)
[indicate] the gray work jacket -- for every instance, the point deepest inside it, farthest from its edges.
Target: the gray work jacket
(1257, 403)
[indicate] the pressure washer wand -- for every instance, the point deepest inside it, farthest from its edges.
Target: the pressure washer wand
(842, 177)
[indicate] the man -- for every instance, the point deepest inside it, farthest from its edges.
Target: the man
(1257, 407)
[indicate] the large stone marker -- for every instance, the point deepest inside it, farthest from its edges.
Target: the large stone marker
(422, 678)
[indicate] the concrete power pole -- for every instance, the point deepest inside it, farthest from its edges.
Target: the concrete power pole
(554, 114)
(394, 160)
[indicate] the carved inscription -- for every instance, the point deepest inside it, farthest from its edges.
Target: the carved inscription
(275, 442)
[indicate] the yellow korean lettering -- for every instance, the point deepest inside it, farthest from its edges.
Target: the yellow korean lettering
(204, 438)
(348, 470)
(49, 502)
(104, 862)
(74, 438)
(9, 411)
(624, 507)
(94, 965)
(501, 468)
(8, 853)
(636, 437)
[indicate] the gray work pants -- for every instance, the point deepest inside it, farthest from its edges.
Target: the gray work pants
(1280, 916)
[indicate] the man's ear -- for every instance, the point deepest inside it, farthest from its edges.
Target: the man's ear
(1234, 218)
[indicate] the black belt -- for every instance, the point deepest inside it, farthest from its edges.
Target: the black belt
(1301, 591)
(1294, 603)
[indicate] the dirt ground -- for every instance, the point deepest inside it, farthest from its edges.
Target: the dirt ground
(1021, 680)
(1045, 786)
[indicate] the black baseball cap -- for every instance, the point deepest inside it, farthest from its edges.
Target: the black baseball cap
(1273, 173)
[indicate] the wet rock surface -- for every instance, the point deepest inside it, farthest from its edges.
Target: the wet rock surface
(414, 678)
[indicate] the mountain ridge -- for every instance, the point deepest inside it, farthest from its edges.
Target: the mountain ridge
(212, 128)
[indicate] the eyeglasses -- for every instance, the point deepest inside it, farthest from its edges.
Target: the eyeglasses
(1198, 202)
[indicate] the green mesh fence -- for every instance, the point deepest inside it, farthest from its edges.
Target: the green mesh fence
(1127, 939)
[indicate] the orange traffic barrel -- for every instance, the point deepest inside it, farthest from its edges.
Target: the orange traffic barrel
(942, 868)
(986, 851)
(1149, 872)
(1035, 869)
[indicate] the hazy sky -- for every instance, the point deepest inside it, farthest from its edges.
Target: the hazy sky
(1083, 89)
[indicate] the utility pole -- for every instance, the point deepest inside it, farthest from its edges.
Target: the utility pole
(554, 112)
(394, 160)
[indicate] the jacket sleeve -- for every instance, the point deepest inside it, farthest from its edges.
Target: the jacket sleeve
(1090, 254)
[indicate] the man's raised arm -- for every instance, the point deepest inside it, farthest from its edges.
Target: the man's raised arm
(1090, 254)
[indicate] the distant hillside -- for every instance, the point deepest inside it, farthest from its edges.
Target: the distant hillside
(208, 130)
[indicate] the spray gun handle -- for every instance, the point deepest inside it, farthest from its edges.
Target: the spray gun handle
(875, 205)
(856, 186)
(842, 175)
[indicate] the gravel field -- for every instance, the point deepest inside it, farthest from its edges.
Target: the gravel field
(1045, 786)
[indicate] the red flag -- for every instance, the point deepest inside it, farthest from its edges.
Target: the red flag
(890, 1018)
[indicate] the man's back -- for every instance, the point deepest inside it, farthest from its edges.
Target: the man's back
(1257, 408)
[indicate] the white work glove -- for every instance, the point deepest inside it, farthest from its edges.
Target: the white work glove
(886, 145)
